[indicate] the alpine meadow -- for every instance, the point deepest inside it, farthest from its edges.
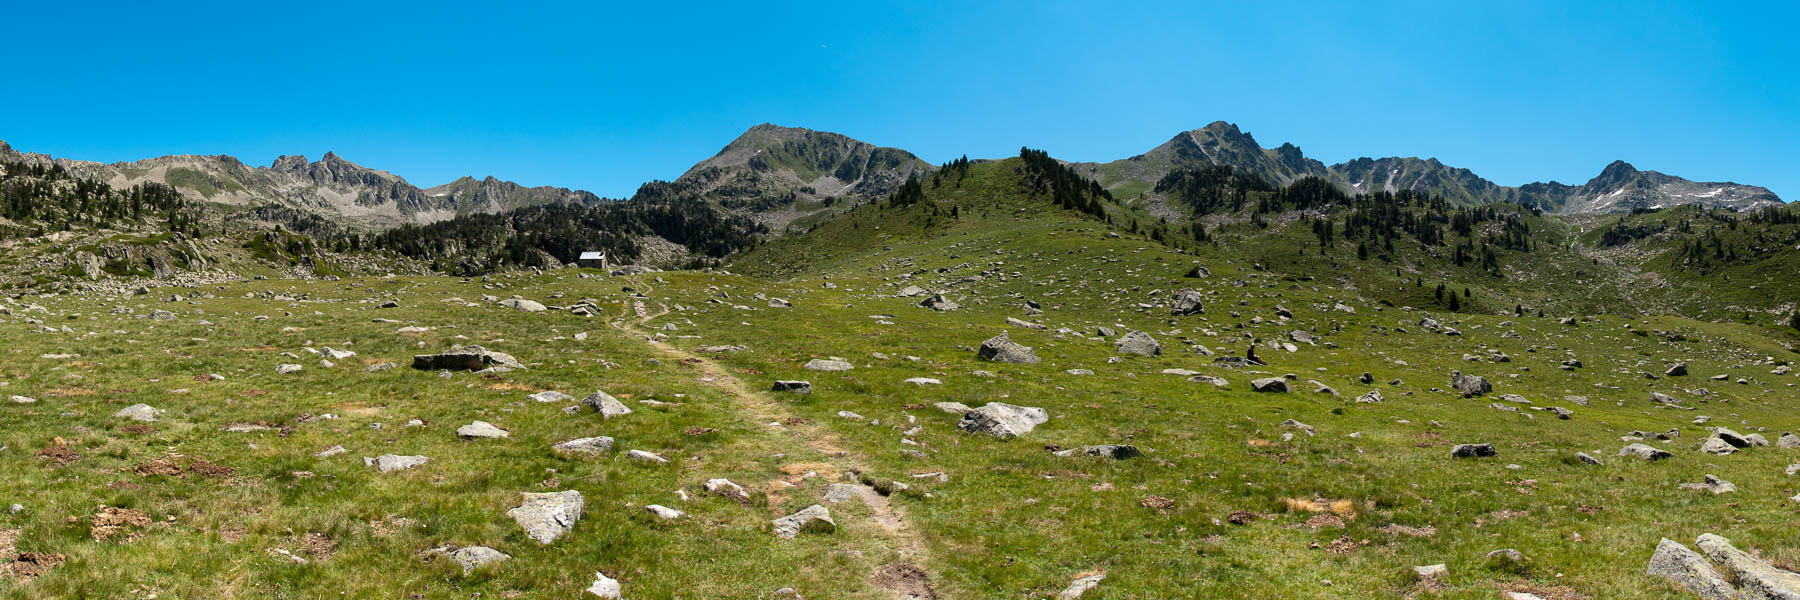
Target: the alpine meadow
(814, 367)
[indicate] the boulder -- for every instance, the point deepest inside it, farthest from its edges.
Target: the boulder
(388, 463)
(812, 519)
(1001, 420)
(1081, 586)
(139, 412)
(1755, 577)
(1788, 440)
(938, 302)
(466, 358)
(1001, 348)
(606, 405)
(820, 364)
(475, 557)
(1711, 484)
(1139, 343)
(798, 387)
(1187, 303)
(605, 587)
(1644, 452)
(523, 305)
(1470, 385)
(1473, 451)
(481, 430)
(1275, 385)
(548, 516)
(587, 445)
(1678, 370)
(727, 489)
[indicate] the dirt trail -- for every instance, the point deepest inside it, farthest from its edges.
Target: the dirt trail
(904, 579)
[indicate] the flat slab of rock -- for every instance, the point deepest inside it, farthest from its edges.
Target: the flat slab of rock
(1755, 577)
(726, 488)
(794, 386)
(481, 430)
(812, 519)
(550, 397)
(523, 304)
(466, 358)
(1275, 385)
(820, 364)
(1004, 421)
(587, 445)
(1080, 586)
(605, 587)
(388, 463)
(548, 516)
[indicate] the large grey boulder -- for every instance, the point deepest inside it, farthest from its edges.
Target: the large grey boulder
(1001, 420)
(548, 516)
(1186, 303)
(1678, 370)
(1689, 570)
(1001, 348)
(1788, 440)
(1470, 385)
(812, 519)
(606, 405)
(1755, 577)
(466, 358)
(388, 463)
(1138, 342)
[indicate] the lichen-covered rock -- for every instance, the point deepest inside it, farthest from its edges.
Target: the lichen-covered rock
(548, 516)
(1001, 420)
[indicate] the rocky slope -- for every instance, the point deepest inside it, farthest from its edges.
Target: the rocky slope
(294, 188)
(781, 174)
(1619, 187)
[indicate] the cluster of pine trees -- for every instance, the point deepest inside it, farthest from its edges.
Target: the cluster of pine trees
(1068, 189)
(526, 237)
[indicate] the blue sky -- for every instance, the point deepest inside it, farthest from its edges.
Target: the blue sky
(605, 97)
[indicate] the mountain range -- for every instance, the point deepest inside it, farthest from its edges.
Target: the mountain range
(787, 177)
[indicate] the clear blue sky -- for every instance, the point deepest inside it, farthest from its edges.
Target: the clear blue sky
(606, 97)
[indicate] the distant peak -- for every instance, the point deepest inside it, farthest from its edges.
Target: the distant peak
(1619, 166)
